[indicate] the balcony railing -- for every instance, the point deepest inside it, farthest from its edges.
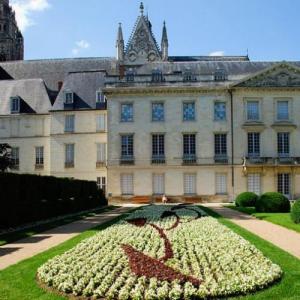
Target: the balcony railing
(189, 159)
(285, 159)
(127, 160)
(221, 159)
(158, 159)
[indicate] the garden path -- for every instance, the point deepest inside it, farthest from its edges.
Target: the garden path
(283, 238)
(13, 253)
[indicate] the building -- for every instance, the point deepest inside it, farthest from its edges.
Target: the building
(143, 124)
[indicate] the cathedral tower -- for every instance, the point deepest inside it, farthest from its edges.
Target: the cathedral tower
(11, 38)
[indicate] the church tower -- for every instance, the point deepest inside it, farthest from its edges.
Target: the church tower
(11, 38)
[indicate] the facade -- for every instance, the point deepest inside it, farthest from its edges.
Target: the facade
(144, 124)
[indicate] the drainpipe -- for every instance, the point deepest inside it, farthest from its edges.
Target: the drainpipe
(232, 141)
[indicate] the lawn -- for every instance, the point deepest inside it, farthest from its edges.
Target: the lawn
(282, 219)
(19, 281)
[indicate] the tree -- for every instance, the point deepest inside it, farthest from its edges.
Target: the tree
(5, 157)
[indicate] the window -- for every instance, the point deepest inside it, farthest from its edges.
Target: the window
(252, 110)
(158, 184)
(221, 144)
(189, 145)
(158, 148)
(127, 146)
(220, 75)
(221, 184)
(220, 111)
(100, 98)
(69, 155)
(157, 76)
(127, 184)
(101, 123)
(127, 112)
(284, 184)
(158, 112)
(15, 157)
(189, 184)
(188, 76)
(189, 111)
(283, 144)
(282, 110)
(101, 184)
(69, 123)
(130, 75)
(39, 156)
(254, 144)
(15, 105)
(69, 98)
(254, 183)
(101, 153)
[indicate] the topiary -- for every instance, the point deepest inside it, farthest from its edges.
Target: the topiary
(247, 199)
(295, 212)
(273, 202)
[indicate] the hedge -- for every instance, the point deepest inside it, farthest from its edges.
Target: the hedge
(31, 198)
(246, 199)
(295, 212)
(273, 202)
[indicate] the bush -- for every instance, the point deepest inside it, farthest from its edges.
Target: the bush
(246, 199)
(30, 198)
(295, 212)
(273, 202)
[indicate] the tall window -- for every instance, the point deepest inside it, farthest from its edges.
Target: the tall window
(189, 111)
(69, 97)
(127, 112)
(284, 184)
(189, 145)
(158, 148)
(254, 183)
(127, 184)
(101, 123)
(158, 112)
(157, 76)
(282, 110)
(101, 184)
(254, 144)
(221, 184)
(189, 184)
(69, 123)
(15, 157)
(252, 110)
(15, 105)
(100, 98)
(101, 153)
(158, 184)
(39, 156)
(127, 145)
(69, 155)
(283, 144)
(221, 145)
(220, 111)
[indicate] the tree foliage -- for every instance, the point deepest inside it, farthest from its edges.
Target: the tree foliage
(5, 157)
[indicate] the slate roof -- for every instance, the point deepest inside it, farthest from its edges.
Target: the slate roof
(32, 92)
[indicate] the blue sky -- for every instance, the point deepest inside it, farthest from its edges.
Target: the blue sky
(269, 29)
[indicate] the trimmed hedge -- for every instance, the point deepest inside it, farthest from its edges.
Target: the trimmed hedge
(31, 198)
(273, 202)
(246, 199)
(295, 212)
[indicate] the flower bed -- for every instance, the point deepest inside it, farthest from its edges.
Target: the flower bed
(161, 252)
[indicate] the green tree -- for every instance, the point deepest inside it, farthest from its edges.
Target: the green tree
(5, 157)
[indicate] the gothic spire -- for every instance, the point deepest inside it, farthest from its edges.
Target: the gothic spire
(120, 44)
(164, 43)
(142, 8)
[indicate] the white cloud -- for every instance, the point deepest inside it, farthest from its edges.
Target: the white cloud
(217, 53)
(25, 10)
(80, 45)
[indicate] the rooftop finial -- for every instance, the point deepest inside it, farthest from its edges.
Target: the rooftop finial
(142, 8)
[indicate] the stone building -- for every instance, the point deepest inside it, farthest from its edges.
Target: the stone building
(143, 124)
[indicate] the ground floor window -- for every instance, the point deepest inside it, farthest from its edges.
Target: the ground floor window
(189, 184)
(127, 184)
(221, 184)
(101, 183)
(254, 183)
(158, 184)
(284, 184)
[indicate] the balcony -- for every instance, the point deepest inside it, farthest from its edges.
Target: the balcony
(285, 159)
(221, 159)
(158, 159)
(189, 159)
(100, 164)
(127, 160)
(255, 158)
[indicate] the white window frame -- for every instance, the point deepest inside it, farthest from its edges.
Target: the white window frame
(254, 183)
(70, 154)
(15, 157)
(68, 100)
(101, 123)
(215, 118)
(284, 184)
(101, 152)
(190, 184)
(69, 123)
(15, 105)
(248, 118)
(221, 184)
(287, 112)
(100, 97)
(158, 184)
(39, 155)
(127, 184)
(101, 183)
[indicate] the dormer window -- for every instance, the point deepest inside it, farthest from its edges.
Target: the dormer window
(188, 76)
(130, 76)
(220, 75)
(100, 98)
(69, 97)
(15, 105)
(157, 76)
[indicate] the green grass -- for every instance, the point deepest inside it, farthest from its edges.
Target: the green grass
(18, 282)
(14, 236)
(282, 219)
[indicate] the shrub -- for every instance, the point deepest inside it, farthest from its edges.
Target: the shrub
(246, 199)
(295, 212)
(273, 202)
